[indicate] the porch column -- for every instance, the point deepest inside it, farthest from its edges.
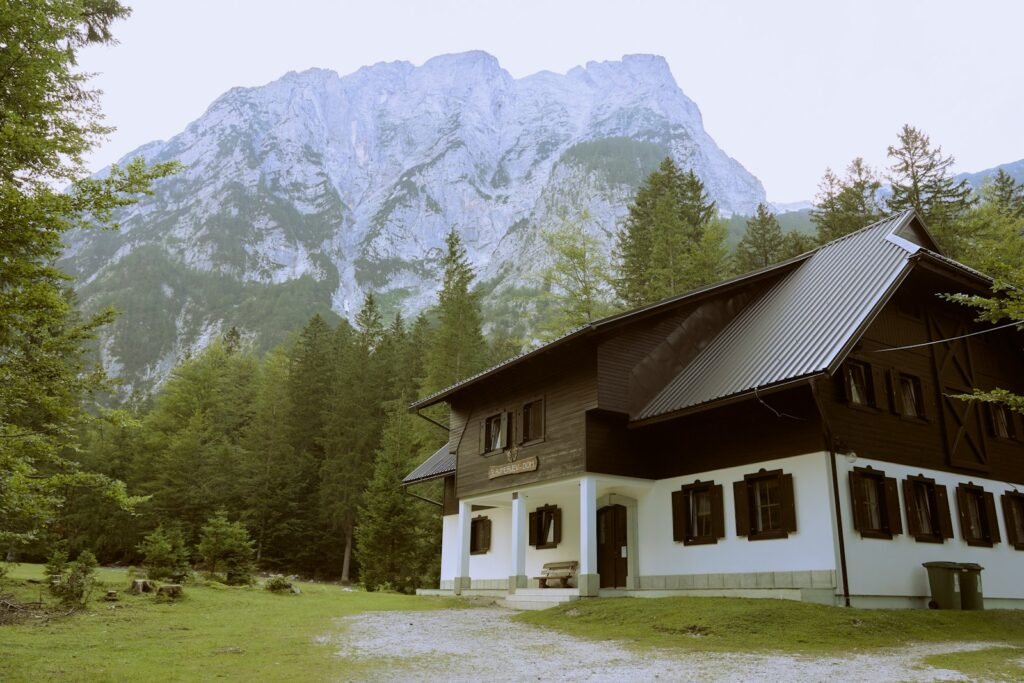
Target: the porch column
(588, 580)
(517, 579)
(462, 545)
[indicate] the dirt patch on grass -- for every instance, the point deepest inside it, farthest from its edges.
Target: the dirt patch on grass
(484, 644)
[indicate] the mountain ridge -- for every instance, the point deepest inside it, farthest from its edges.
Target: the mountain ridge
(337, 185)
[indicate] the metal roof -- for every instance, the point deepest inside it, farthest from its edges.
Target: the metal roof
(799, 327)
(652, 308)
(437, 465)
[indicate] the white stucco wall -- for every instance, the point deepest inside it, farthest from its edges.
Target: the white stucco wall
(497, 564)
(881, 567)
(811, 547)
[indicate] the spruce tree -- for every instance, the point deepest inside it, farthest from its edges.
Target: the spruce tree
(921, 179)
(49, 122)
(671, 240)
(352, 425)
(272, 472)
(762, 244)
(396, 539)
(1005, 195)
(846, 205)
(458, 349)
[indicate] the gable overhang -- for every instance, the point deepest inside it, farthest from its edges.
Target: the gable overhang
(616, 321)
(755, 393)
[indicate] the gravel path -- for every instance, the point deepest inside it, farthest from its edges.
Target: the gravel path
(483, 644)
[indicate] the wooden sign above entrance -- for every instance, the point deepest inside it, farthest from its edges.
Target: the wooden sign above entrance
(515, 467)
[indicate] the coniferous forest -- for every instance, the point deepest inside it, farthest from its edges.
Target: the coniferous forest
(298, 453)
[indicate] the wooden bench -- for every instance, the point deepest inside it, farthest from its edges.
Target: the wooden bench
(558, 571)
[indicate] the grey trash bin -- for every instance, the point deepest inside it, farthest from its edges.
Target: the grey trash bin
(971, 596)
(944, 580)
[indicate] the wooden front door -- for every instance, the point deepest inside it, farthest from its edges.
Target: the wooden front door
(611, 546)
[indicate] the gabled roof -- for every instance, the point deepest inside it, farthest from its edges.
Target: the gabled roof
(439, 464)
(613, 320)
(805, 324)
(814, 309)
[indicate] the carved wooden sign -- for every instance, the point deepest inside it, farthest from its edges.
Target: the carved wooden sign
(514, 467)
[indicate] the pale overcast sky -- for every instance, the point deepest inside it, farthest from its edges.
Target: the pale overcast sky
(785, 87)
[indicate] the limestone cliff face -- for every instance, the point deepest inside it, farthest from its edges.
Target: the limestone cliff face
(308, 191)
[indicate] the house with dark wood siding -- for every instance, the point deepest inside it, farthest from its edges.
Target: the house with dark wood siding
(791, 433)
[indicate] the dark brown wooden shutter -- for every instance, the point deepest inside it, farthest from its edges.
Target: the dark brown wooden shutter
(857, 499)
(485, 540)
(961, 506)
(910, 501)
(1011, 529)
(717, 512)
(483, 434)
(678, 523)
(519, 425)
(557, 514)
(788, 504)
(876, 378)
(993, 519)
(533, 528)
(542, 413)
(945, 521)
(739, 494)
(892, 506)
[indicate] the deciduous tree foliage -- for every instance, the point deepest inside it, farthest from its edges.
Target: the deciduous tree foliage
(577, 282)
(48, 120)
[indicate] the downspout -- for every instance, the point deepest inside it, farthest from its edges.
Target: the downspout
(830, 441)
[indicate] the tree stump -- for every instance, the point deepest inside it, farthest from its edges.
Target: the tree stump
(140, 586)
(111, 596)
(170, 590)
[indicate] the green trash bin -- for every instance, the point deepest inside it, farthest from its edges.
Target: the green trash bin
(944, 580)
(971, 596)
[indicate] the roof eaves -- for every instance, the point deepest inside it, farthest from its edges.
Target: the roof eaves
(610, 321)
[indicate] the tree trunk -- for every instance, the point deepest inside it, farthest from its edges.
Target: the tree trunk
(345, 563)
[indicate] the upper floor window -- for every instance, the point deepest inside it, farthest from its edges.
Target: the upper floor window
(533, 421)
(765, 507)
(875, 499)
(978, 523)
(860, 389)
(911, 399)
(494, 432)
(927, 506)
(697, 513)
(1002, 421)
(1013, 515)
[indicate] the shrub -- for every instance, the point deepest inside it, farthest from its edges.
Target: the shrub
(226, 546)
(165, 554)
(278, 584)
(71, 583)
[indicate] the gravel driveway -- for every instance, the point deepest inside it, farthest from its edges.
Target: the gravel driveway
(483, 644)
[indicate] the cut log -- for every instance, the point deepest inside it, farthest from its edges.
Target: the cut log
(111, 596)
(140, 586)
(170, 590)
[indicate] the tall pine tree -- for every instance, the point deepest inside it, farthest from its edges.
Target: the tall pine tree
(458, 348)
(846, 205)
(671, 240)
(921, 179)
(762, 244)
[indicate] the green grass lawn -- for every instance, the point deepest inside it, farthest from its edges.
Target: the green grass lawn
(738, 625)
(240, 634)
